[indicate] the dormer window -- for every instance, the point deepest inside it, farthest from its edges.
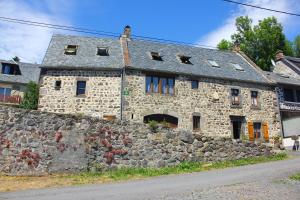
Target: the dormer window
(71, 49)
(237, 67)
(185, 59)
(213, 63)
(156, 56)
(10, 69)
(102, 51)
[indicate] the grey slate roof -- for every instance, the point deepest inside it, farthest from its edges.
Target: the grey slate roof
(86, 54)
(140, 59)
(293, 63)
(282, 79)
(29, 72)
(139, 53)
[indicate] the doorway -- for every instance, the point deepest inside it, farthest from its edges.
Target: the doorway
(237, 124)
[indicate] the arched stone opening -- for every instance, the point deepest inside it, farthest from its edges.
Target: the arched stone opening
(165, 119)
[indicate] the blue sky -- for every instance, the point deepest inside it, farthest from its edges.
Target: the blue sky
(203, 22)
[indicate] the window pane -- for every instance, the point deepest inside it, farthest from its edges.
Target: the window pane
(298, 95)
(257, 127)
(2, 91)
(155, 84)
(148, 84)
(164, 85)
(81, 87)
(7, 69)
(194, 84)
(289, 95)
(254, 94)
(171, 86)
(234, 92)
(7, 91)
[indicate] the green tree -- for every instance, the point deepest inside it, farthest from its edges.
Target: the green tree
(260, 42)
(297, 46)
(30, 100)
(288, 48)
(224, 45)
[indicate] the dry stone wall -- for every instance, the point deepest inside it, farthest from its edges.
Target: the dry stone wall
(33, 143)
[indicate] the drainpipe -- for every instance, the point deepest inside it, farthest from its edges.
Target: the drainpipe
(122, 92)
(125, 37)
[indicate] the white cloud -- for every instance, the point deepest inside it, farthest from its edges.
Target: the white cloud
(28, 42)
(228, 27)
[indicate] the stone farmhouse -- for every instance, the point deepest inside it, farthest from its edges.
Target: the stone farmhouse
(13, 78)
(217, 93)
(286, 73)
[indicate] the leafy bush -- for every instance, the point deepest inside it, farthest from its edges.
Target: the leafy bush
(153, 125)
(31, 96)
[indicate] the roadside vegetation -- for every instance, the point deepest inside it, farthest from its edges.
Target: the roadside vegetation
(296, 177)
(13, 183)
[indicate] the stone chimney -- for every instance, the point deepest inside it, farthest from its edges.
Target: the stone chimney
(236, 46)
(127, 32)
(279, 55)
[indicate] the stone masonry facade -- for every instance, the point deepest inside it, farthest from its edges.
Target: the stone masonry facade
(103, 90)
(211, 100)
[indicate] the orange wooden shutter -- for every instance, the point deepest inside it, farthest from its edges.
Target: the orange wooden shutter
(251, 131)
(266, 131)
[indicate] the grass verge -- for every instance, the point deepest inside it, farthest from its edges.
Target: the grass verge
(295, 177)
(13, 183)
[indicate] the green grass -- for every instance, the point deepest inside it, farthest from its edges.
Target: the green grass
(296, 177)
(185, 167)
(14, 183)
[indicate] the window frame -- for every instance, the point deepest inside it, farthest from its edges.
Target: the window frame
(57, 87)
(196, 122)
(255, 128)
(13, 69)
(151, 88)
(185, 59)
(253, 98)
(69, 47)
(237, 67)
(156, 56)
(78, 89)
(106, 49)
(235, 101)
(213, 63)
(294, 98)
(5, 91)
(196, 86)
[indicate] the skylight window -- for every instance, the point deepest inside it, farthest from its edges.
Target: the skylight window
(102, 51)
(185, 59)
(213, 63)
(156, 56)
(237, 67)
(71, 49)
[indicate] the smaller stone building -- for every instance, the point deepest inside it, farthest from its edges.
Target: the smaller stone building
(13, 79)
(207, 91)
(286, 73)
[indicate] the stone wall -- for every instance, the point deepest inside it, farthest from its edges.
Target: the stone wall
(33, 143)
(215, 113)
(103, 90)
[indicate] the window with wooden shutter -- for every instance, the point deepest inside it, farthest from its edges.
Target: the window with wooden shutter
(251, 131)
(266, 131)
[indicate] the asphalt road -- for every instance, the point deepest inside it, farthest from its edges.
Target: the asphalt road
(260, 181)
